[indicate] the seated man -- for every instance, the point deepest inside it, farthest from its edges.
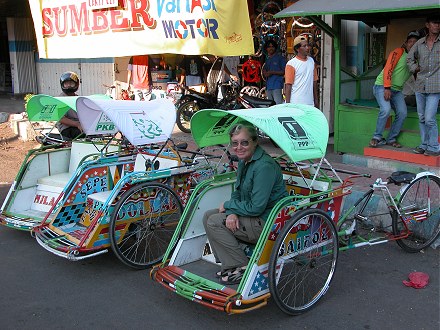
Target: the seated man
(69, 126)
(258, 188)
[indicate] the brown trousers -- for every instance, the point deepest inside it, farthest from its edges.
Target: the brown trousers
(224, 243)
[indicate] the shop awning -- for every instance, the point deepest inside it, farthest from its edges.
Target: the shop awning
(345, 7)
(114, 28)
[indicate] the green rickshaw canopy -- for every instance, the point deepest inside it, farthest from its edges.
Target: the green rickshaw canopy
(43, 107)
(301, 131)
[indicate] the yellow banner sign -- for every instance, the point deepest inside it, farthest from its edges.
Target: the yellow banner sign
(113, 28)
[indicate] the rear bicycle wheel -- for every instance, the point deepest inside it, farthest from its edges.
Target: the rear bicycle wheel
(419, 206)
(303, 261)
(184, 113)
(143, 223)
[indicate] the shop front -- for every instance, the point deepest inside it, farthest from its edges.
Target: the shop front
(362, 35)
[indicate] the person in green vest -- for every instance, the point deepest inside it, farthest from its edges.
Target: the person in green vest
(388, 92)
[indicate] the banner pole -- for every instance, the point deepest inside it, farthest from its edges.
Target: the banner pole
(44, 39)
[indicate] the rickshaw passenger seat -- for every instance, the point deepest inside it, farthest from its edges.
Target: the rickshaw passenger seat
(78, 151)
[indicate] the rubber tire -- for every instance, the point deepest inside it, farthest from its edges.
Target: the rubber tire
(184, 113)
(303, 267)
(430, 228)
(142, 233)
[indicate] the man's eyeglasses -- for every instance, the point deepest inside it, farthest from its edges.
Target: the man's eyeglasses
(244, 143)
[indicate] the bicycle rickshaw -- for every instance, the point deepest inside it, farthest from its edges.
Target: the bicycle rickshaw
(296, 255)
(28, 201)
(129, 195)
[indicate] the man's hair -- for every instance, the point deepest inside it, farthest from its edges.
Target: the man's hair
(413, 34)
(270, 43)
(433, 18)
(236, 129)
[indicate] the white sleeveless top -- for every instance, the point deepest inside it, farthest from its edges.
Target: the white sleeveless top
(302, 87)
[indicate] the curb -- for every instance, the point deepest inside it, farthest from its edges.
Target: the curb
(386, 164)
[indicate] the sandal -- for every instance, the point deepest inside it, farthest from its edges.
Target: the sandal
(374, 143)
(233, 277)
(394, 144)
(223, 273)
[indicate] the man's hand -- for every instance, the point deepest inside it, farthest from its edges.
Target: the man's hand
(235, 78)
(221, 208)
(78, 125)
(387, 94)
(232, 222)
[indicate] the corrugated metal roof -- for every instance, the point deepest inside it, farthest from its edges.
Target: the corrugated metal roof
(341, 7)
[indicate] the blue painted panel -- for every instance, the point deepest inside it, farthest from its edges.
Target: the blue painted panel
(18, 46)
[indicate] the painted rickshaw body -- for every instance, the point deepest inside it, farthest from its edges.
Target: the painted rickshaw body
(96, 193)
(295, 258)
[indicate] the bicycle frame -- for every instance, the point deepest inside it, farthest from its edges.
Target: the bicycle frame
(364, 200)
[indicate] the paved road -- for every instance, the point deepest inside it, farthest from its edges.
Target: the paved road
(42, 291)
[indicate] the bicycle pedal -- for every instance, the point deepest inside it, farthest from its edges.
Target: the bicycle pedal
(364, 221)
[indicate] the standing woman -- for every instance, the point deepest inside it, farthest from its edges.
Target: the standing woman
(258, 188)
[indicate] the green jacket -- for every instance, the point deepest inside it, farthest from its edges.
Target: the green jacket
(258, 188)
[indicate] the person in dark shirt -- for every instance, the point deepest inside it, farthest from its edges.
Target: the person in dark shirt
(194, 72)
(273, 71)
(69, 125)
(259, 186)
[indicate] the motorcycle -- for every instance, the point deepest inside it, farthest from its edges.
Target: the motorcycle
(194, 101)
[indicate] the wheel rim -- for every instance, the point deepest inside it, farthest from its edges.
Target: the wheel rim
(300, 277)
(186, 112)
(143, 224)
(420, 209)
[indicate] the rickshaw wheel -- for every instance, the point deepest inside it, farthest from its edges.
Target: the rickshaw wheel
(143, 223)
(303, 261)
(184, 114)
(419, 204)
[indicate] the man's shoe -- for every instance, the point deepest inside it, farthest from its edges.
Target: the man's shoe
(432, 153)
(419, 150)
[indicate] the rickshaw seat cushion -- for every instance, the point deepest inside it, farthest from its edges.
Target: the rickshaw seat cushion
(80, 150)
(100, 196)
(56, 180)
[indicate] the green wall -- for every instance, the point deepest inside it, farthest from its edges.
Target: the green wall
(356, 125)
